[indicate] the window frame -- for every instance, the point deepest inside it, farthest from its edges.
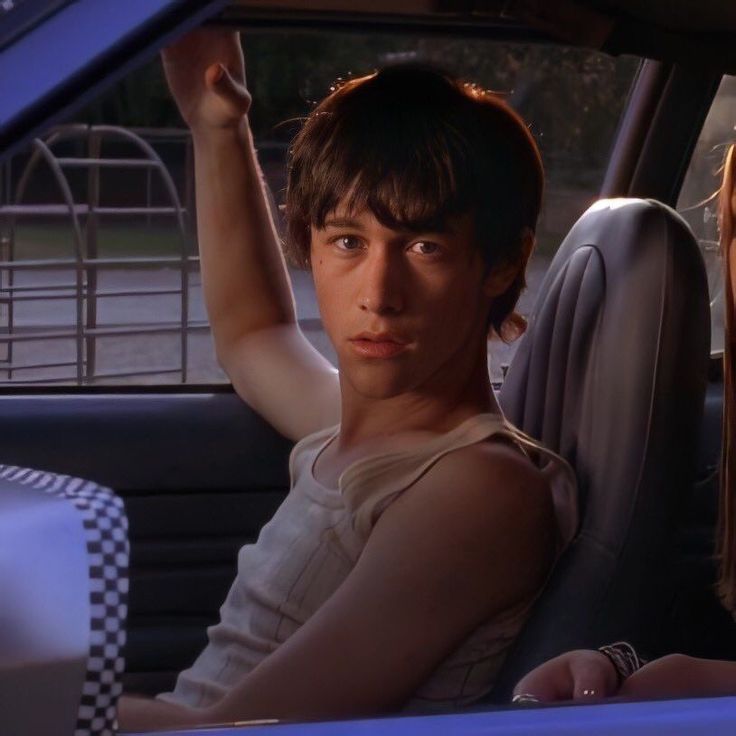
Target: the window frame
(108, 41)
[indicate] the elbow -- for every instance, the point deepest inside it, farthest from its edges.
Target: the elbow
(223, 351)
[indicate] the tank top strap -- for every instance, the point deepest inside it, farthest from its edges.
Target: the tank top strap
(561, 479)
(305, 450)
(370, 484)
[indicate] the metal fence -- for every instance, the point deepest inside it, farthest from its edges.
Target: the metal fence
(82, 268)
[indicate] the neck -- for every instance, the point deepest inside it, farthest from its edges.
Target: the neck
(437, 407)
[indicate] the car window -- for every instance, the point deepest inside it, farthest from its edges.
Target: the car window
(99, 275)
(698, 201)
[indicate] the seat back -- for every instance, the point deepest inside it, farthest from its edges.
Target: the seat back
(611, 374)
(63, 577)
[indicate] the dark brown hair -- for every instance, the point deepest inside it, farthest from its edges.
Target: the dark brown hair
(415, 147)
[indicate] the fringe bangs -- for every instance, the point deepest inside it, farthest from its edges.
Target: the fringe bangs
(403, 171)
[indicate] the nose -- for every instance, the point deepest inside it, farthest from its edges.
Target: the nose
(381, 286)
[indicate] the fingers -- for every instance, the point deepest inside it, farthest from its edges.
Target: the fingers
(593, 676)
(537, 690)
(221, 81)
(577, 675)
(214, 74)
(203, 43)
(547, 683)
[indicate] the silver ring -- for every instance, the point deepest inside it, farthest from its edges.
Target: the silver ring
(589, 693)
(524, 698)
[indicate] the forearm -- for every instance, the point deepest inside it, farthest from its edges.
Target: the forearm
(703, 677)
(680, 676)
(246, 284)
(146, 714)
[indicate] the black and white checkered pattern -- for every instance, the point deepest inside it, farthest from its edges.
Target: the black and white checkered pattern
(105, 528)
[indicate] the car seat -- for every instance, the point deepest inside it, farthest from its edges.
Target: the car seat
(611, 374)
(63, 576)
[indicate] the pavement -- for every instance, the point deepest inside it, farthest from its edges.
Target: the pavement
(159, 354)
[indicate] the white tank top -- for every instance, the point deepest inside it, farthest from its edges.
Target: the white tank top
(311, 544)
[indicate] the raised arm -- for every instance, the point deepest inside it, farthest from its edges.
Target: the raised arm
(246, 283)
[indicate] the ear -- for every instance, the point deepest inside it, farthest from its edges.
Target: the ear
(499, 279)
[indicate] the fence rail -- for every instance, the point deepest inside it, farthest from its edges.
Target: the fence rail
(85, 265)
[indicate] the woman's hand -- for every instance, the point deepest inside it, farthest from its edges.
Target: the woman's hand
(205, 71)
(580, 674)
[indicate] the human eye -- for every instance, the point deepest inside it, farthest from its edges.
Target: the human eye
(346, 243)
(425, 248)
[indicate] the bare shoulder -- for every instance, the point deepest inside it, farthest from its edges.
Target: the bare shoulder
(496, 477)
(489, 511)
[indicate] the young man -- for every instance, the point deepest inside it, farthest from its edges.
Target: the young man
(418, 531)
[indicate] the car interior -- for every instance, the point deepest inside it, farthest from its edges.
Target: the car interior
(633, 479)
(618, 370)
(63, 540)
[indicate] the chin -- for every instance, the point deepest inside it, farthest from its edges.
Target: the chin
(377, 393)
(378, 382)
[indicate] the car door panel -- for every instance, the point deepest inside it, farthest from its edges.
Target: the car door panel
(200, 474)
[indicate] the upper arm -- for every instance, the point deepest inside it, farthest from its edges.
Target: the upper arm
(282, 377)
(450, 553)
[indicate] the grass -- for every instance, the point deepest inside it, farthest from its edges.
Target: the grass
(114, 240)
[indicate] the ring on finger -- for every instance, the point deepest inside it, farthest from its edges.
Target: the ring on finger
(524, 698)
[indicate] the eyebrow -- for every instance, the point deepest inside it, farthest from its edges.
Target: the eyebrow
(347, 222)
(342, 222)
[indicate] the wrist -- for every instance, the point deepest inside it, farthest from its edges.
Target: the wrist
(206, 136)
(612, 680)
(623, 658)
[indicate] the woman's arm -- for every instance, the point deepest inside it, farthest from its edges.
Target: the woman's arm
(588, 674)
(442, 559)
(246, 285)
(679, 676)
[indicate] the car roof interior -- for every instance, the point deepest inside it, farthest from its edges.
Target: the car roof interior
(694, 54)
(669, 100)
(648, 27)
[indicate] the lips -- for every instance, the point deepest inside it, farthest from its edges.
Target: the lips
(378, 344)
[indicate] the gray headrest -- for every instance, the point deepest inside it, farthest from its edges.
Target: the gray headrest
(611, 374)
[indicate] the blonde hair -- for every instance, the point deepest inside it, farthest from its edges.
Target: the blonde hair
(727, 503)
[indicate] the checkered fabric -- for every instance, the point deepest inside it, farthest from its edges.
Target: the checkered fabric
(105, 527)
